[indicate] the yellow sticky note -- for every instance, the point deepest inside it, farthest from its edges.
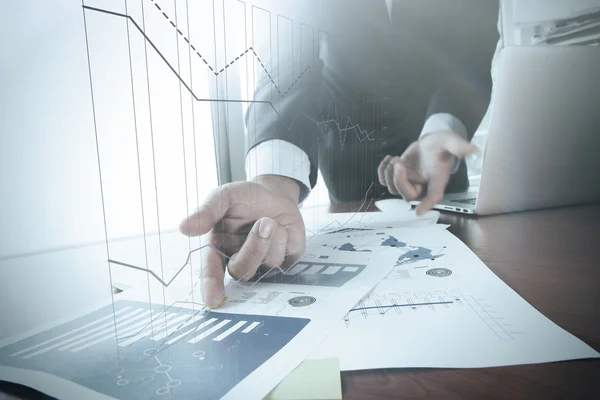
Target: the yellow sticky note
(312, 380)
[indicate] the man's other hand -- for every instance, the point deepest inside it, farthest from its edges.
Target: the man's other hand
(424, 168)
(257, 224)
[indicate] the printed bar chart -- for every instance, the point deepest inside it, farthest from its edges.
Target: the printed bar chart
(316, 274)
(196, 351)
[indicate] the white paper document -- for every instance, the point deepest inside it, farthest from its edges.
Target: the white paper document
(439, 307)
(161, 343)
(318, 223)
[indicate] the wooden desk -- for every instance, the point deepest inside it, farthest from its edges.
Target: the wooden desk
(552, 259)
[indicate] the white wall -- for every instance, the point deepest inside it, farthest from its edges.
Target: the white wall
(49, 181)
(48, 178)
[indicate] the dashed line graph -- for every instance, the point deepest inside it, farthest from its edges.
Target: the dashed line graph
(169, 328)
(362, 134)
(250, 49)
(183, 82)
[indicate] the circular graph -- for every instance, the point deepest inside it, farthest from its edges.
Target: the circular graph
(439, 272)
(301, 301)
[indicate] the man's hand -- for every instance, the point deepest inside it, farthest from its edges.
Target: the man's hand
(257, 224)
(426, 165)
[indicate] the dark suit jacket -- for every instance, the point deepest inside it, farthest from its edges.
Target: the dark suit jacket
(375, 82)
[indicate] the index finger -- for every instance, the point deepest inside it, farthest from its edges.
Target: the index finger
(213, 276)
(435, 191)
(296, 244)
(212, 210)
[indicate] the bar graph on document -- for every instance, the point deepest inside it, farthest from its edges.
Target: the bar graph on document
(315, 273)
(156, 352)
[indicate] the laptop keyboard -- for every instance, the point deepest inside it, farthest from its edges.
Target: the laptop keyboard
(466, 201)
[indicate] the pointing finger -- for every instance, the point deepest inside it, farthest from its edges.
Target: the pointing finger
(213, 274)
(277, 247)
(435, 191)
(296, 243)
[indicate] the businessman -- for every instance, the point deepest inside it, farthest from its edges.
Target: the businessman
(390, 107)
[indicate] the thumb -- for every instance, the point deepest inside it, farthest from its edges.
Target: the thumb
(212, 210)
(458, 146)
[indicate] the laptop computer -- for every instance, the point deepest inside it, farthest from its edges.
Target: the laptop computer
(543, 144)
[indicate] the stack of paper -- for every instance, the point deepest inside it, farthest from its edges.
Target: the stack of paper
(580, 29)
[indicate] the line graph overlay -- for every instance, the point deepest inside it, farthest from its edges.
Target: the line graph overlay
(187, 262)
(169, 329)
(130, 21)
(362, 134)
(334, 117)
(140, 27)
(188, 88)
(244, 53)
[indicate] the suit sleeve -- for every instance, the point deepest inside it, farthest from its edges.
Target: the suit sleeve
(462, 99)
(463, 88)
(284, 108)
(467, 101)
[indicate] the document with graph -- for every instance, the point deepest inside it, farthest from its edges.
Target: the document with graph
(321, 222)
(160, 344)
(439, 307)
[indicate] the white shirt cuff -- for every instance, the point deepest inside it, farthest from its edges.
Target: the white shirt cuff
(278, 157)
(445, 122)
